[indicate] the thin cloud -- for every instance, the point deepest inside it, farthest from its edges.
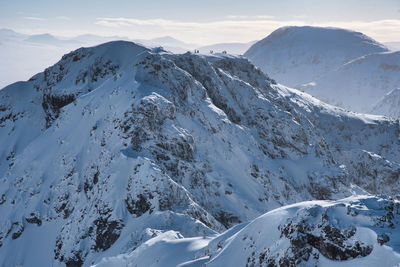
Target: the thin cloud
(216, 25)
(242, 29)
(301, 16)
(63, 18)
(228, 30)
(264, 17)
(234, 17)
(34, 18)
(381, 30)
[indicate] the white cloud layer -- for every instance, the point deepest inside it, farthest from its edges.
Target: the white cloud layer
(238, 28)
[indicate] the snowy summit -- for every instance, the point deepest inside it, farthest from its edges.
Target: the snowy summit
(295, 55)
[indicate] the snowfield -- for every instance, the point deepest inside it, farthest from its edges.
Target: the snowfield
(121, 154)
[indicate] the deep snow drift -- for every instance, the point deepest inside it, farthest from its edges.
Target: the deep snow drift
(118, 145)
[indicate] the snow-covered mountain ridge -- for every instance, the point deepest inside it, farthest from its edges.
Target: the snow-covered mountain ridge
(296, 55)
(359, 84)
(338, 66)
(118, 144)
(357, 231)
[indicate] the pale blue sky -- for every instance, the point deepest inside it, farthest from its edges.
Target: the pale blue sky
(202, 21)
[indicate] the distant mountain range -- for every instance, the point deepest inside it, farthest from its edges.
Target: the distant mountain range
(40, 50)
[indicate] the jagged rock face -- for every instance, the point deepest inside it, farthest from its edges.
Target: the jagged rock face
(117, 144)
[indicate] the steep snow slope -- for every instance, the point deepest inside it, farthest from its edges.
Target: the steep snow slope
(295, 55)
(360, 83)
(117, 144)
(388, 105)
(357, 231)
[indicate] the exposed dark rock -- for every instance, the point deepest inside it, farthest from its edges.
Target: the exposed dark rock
(337, 251)
(75, 261)
(96, 177)
(100, 69)
(180, 148)
(107, 232)
(382, 238)
(63, 206)
(52, 105)
(3, 108)
(139, 206)
(34, 219)
(227, 219)
(332, 242)
(11, 117)
(17, 229)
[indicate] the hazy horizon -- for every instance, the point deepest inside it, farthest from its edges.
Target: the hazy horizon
(203, 22)
(42, 51)
(115, 36)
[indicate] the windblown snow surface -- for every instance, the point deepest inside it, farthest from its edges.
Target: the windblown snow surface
(120, 154)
